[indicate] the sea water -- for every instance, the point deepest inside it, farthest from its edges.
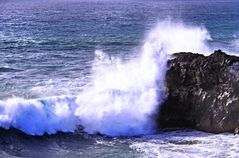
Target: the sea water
(100, 66)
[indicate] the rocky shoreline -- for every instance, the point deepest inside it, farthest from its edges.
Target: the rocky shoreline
(203, 93)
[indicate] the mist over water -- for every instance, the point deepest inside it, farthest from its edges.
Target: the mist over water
(121, 98)
(179, 37)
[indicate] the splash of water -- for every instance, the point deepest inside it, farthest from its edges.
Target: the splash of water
(178, 37)
(122, 98)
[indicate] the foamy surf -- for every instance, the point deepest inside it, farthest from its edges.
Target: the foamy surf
(193, 144)
(122, 97)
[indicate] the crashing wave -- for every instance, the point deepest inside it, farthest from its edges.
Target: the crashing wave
(122, 97)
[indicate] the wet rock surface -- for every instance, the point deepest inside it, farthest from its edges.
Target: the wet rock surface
(203, 92)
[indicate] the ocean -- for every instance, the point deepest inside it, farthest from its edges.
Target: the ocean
(95, 70)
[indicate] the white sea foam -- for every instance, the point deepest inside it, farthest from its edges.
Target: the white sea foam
(122, 97)
(39, 116)
(186, 144)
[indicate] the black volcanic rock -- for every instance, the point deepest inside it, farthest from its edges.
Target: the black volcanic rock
(203, 92)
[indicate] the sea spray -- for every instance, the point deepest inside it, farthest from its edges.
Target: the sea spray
(179, 37)
(122, 97)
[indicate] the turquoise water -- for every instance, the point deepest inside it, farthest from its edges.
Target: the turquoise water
(98, 64)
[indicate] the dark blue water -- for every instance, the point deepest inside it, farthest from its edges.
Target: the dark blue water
(53, 42)
(47, 49)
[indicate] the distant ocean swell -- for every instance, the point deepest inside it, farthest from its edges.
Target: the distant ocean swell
(122, 96)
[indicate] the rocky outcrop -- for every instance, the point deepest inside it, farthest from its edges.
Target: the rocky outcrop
(203, 92)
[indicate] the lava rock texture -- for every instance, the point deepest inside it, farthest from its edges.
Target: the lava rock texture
(203, 93)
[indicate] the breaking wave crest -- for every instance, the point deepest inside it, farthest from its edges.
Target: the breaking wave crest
(122, 98)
